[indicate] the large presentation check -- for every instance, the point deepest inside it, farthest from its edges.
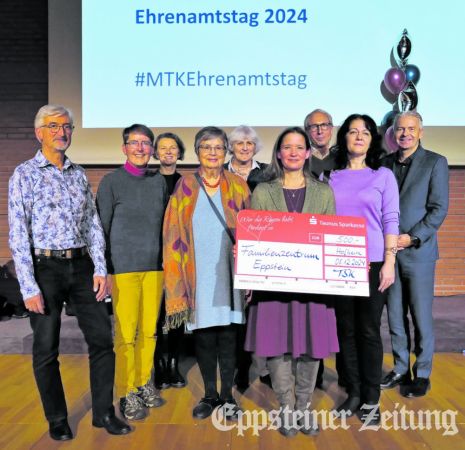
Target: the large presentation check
(294, 252)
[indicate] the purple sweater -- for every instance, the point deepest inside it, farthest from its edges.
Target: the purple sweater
(372, 194)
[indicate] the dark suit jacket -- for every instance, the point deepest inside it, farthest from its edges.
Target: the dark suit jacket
(424, 200)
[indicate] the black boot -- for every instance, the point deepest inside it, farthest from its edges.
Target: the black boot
(319, 377)
(161, 376)
(241, 380)
(175, 378)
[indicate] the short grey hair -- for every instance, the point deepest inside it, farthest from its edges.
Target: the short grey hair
(208, 133)
(51, 111)
(407, 114)
(315, 111)
(244, 132)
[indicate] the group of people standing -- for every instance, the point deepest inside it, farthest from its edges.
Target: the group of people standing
(168, 244)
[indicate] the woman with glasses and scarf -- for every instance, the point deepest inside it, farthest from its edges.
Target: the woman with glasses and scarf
(198, 235)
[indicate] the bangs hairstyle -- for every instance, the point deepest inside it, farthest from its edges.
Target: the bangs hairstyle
(275, 170)
(176, 138)
(208, 133)
(242, 133)
(375, 151)
(140, 129)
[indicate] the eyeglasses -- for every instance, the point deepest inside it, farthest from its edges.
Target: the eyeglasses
(210, 149)
(319, 126)
(55, 127)
(143, 144)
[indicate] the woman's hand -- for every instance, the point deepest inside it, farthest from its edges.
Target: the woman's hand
(386, 276)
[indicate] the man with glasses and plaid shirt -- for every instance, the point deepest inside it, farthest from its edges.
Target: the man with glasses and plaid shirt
(58, 245)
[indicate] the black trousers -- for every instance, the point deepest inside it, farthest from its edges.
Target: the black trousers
(71, 280)
(243, 357)
(216, 345)
(174, 338)
(361, 347)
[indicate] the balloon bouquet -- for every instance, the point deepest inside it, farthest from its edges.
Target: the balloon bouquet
(400, 83)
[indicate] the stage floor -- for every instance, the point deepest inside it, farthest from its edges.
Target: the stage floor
(448, 314)
(22, 425)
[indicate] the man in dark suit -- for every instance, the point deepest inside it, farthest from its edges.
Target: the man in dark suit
(423, 180)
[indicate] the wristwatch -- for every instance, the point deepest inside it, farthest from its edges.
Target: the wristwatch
(415, 241)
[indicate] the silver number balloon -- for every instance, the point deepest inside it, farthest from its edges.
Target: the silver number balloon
(408, 98)
(403, 49)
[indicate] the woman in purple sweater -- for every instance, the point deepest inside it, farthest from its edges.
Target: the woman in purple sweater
(363, 188)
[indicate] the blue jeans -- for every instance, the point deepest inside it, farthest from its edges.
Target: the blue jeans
(71, 280)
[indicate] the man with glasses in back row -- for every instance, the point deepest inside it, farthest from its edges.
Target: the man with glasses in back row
(57, 244)
(319, 128)
(131, 203)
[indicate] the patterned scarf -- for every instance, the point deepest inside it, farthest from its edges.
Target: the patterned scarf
(178, 241)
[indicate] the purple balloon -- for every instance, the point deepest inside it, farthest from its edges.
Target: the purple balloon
(395, 80)
(412, 73)
(390, 140)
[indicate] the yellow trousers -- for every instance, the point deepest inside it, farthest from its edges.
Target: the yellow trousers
(136, 304)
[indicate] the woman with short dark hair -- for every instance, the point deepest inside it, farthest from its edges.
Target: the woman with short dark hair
(168, 149)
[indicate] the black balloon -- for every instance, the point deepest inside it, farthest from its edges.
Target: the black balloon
(408, 98)
(388, 119)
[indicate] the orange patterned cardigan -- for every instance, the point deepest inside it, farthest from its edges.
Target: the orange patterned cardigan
(178, 241)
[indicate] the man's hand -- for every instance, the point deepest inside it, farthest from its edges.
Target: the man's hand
(35, 304)
(404, 241)
(100, 287)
